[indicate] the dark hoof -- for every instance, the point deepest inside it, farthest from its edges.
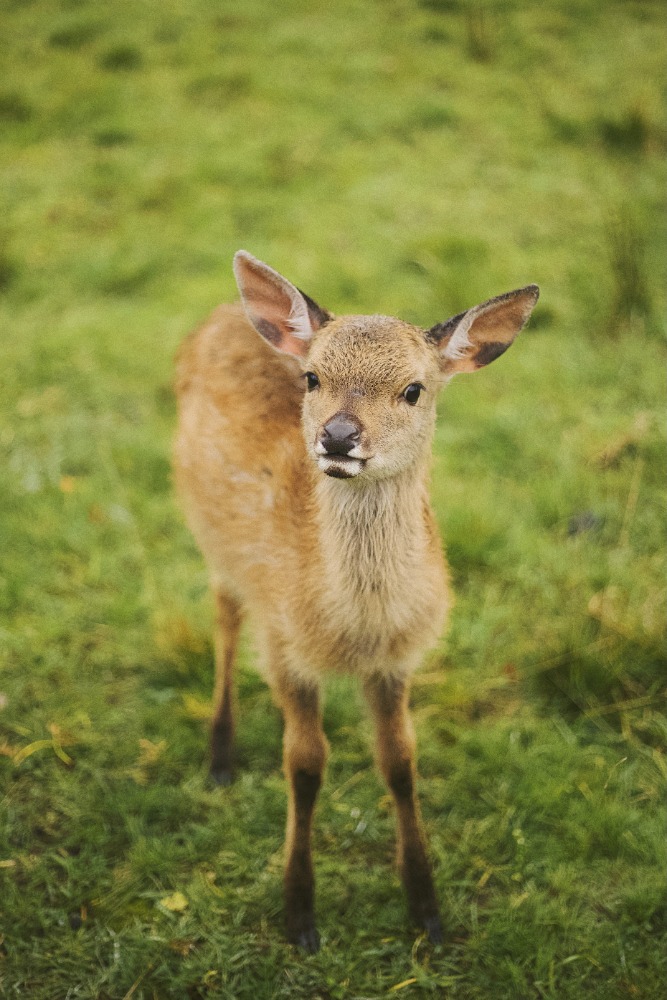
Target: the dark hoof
(433, 928)
(221, 777)
(307, 940)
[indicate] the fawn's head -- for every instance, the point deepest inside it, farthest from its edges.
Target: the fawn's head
(371, 381)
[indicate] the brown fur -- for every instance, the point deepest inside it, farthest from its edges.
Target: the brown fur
(335, 560)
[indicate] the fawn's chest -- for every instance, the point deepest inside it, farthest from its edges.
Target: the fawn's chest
(382, 594)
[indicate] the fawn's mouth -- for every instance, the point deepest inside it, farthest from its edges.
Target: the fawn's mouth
(340, 466)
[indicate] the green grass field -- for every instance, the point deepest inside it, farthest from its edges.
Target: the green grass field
(401, 157)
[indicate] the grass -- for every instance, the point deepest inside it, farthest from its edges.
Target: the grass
(412, 158)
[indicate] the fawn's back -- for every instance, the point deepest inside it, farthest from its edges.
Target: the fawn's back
(238, 448)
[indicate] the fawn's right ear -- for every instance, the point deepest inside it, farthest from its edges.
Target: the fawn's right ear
(283, 315)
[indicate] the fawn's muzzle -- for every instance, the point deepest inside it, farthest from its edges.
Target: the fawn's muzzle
(340, 434)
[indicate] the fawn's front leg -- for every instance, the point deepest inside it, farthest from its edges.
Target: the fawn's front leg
(388, 699)
(305, 752)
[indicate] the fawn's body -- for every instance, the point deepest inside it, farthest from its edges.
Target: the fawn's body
(309, 499)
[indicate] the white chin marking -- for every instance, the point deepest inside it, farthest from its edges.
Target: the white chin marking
(338, 466)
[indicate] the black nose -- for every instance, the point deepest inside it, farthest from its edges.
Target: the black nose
(340, 434)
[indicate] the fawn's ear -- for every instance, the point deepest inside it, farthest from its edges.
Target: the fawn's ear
(481, 334)
(276, 308)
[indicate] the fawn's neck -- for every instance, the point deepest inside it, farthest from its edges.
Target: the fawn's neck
(373, 536)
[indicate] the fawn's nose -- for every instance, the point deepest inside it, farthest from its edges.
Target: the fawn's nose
(340, 434)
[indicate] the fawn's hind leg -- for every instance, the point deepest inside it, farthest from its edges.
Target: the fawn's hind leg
(228, 624)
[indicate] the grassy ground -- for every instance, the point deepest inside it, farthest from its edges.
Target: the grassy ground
(407, 157)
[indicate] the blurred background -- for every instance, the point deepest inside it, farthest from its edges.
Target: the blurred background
(410, 157)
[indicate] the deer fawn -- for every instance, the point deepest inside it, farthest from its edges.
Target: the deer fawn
(302, 459)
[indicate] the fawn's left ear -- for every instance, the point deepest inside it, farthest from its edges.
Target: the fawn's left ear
(480, 335)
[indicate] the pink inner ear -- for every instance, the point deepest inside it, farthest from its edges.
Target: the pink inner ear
(500, 323)
(269, 321)
(267, 303)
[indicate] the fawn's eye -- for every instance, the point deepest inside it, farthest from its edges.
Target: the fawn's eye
(312, 381)
(412, 393)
